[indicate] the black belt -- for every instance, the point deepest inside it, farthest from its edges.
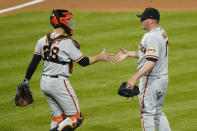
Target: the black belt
(52, 76)
(55, 76)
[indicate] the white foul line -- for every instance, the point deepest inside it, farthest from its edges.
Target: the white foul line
(21, 6)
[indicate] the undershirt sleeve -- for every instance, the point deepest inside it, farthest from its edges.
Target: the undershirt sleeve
(32, 66)
(84, 61)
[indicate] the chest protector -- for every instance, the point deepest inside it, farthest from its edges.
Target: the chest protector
(52, 54)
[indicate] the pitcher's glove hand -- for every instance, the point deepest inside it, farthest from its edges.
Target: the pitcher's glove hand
(23, 95)
(128, 92)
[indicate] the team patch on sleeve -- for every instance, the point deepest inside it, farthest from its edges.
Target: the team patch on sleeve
(151, 56)
(150, 50)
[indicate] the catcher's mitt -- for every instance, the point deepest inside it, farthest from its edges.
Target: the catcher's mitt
(23, 94)
(128, 92)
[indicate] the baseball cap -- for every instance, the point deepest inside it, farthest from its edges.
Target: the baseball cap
(151, 13)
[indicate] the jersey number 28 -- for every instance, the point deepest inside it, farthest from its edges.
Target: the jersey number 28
(50, 54)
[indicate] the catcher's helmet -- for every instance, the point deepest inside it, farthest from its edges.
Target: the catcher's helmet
(61, 18)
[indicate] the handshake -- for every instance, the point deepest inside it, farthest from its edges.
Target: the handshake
(118, 57)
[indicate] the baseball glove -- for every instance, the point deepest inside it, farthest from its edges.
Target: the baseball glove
(128, 92)
(23, 95)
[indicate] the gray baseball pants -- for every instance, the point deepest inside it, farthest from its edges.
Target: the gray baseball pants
(151, 98)
(60, 96)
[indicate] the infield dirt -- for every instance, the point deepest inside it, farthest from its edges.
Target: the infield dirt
(102, 5)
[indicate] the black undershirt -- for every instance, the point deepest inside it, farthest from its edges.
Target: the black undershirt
(32, 66)
(152, 59)
(84, 61)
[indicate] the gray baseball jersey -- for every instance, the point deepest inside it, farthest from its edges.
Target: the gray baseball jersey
(153, 85)
(154, 44)
(65, 50)
(58, 90)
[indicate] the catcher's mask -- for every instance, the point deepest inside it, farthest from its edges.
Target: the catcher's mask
(62, 18)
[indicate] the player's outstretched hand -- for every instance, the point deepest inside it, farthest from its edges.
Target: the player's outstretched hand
(121, 55)
(107, 57)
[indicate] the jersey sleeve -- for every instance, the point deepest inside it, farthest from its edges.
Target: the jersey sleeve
(152, 48)
(73, 52)
(38, 48)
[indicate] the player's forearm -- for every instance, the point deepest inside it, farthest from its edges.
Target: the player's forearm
(145, 69)
(133, 54)
(94, 59)
(32, 66)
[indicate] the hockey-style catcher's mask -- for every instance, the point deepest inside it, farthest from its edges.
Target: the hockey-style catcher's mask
(63, 19)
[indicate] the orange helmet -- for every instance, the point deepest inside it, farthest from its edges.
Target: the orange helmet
(61, 18)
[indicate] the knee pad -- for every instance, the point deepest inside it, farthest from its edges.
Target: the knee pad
(71, 123)
(60, 118)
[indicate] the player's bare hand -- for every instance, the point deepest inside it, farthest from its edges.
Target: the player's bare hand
(124, 51)
(121, 55)
(131, 83)
(107, 57)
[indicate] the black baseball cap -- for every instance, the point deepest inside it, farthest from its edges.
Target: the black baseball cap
(151, 13)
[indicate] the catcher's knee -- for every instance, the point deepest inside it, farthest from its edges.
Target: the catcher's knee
(59, 119)
(71, 123)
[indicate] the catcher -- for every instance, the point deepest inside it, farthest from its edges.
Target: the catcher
(58, 51)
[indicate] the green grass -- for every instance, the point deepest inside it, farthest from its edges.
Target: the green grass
(96, 86)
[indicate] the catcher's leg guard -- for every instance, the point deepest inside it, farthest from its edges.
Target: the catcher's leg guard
(56, 120)
(71, 123)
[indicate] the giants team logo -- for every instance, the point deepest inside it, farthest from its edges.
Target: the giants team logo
(144, 50)
(150, 50)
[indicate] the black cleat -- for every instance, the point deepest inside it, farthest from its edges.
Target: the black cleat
(54, 129)
(67, 128)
